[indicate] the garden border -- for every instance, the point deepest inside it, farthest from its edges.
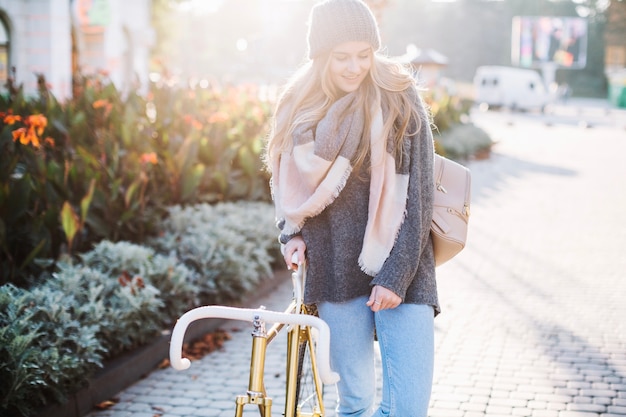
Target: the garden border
(121, 372)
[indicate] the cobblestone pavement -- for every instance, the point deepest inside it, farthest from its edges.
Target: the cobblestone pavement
(534, 309)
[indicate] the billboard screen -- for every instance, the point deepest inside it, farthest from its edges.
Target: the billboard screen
(541, 40)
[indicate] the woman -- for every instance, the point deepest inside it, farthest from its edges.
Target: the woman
(351, 156)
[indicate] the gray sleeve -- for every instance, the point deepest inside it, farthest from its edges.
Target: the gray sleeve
(284, 238)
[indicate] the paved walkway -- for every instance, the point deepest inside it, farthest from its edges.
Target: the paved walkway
(534, 309)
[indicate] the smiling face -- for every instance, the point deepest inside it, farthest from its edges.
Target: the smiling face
(349, 64)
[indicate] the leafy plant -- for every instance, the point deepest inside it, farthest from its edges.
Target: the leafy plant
(447, 110)
(177, 284)
(463, 141)
(212, 150)
(20, 374)
(126, 308)
(102, 166)
(454, 135)
(231, 245)
(30, 198)
(46, 352)
(56, 335)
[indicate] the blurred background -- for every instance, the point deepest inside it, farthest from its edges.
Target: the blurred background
(263, 41)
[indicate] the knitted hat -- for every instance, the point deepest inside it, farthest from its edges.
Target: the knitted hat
(336, 21)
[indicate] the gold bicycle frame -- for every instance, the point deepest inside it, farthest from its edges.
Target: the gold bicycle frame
(301, 325)
(256, 394)
(295, 336)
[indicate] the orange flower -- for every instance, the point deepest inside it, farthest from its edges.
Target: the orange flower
(150, 158)
(34, 139)
(218, 117)
(100, 103)
(196, 125)
(12, 118)
(37, 121)
(103, 104)
(190, 120)
(21, 135)
(34, 126)
(257, 113)
(26, 136)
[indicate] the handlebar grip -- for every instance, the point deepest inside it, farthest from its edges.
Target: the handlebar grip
(246, 314)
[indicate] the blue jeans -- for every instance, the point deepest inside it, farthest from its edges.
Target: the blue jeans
(406, 339)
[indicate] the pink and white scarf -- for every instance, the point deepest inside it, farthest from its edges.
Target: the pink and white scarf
(309, 178)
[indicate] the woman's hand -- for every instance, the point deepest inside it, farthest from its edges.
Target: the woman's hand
(382, 298)
(295, 245)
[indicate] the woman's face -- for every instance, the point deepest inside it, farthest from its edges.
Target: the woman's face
(349, 64)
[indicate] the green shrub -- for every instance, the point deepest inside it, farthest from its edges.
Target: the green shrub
(454, 135)
(56, 335)
(31, 176)
(463, 141)
(212, 148)
(71, 346)
(126, 308)
(47, 352)
(176, 283)
(102, 166)
(21, 377)
(230, 245)
(121, 295)
(447, 111)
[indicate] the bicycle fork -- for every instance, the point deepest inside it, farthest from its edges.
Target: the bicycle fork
(256, 393)
(256, 388)
(294, 338)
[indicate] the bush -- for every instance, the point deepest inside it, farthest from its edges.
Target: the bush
(125, 308)
(463, 141)
(455, 137)
(47, 351)
(21, 378)
(56, 335)
(105, 167)
(230, 245)
(177, 285)
(121, 295)
(447, 110)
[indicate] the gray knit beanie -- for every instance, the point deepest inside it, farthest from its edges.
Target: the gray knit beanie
(336, 21)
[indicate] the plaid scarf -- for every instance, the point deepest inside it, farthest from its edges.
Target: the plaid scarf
(309, 178)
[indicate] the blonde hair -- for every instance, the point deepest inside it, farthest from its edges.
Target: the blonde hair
(310, 92)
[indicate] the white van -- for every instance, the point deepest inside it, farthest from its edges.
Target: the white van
(514, 88)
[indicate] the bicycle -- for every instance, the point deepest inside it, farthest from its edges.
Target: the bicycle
(308, 364)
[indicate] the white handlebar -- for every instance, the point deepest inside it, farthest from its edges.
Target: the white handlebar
(246, 314)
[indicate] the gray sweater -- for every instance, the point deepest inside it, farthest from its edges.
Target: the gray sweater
(334, 238)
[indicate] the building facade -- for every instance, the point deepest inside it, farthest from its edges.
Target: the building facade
(57, 38)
